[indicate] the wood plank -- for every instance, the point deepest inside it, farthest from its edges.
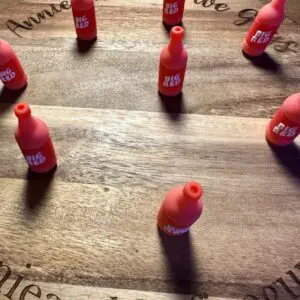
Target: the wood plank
(120, 71)
(70, 292)
(8, 3)
(293, 10)
(94, 222)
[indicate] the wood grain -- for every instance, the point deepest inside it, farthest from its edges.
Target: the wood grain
(293, 10)
(91, 225)
(93, 222)
(120, 71)
(70, 292)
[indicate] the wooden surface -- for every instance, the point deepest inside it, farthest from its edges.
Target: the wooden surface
(89, 231)
(120, 71)
(94, 223)
(70, 292)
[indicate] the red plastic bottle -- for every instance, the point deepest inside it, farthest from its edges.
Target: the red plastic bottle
(173, 12)
(84, 19)
(265, 25)
(32, 136)
(181, 208)
(11, 71)
(173, 61)
(285, 125)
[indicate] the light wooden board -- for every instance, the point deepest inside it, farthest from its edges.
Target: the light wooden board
(120, 71)
(94, 223)
(70, 292)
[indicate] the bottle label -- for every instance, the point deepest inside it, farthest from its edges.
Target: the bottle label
(174, 230)
(260, 35)
(40, 158)
(85, 21)
(173, 9)
(171, 79)
(282, 129)
(169, 226)
(12, 72)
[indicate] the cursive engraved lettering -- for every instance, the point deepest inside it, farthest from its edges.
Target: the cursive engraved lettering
(219, 6)
(16, 25)
(40, 16)
(209, 3)
(6, 275)
(28, 290)
(65, 5)
(266, 293)
(269, 292)
(51, 296)
(282, 45)
(286, 287)
(54, 9)
(31, 289)
(31, 21)
(14, 287)
(247, 15)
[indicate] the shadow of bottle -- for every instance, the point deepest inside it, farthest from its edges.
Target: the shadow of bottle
(169, 27)
(173, 106)
(180, 262)
(36, 190)
(289, 157)
(265, 62)
(9, 97)
(83, 47)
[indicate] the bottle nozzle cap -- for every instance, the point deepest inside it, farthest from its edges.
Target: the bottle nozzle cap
(22, 110)
(193, 190)
(177, 33)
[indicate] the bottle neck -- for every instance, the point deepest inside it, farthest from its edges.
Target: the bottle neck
(175, 46)
(26, 124)
(185, 203)
(279, 4)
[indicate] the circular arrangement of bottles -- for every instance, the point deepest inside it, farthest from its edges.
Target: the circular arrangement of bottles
(182, 206)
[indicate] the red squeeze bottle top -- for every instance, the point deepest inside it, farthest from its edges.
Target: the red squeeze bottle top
(265, 25)
(173, 12)
(84, 19)
(172, 66)
(181, 208)
(285, 125)
(32, 136)
(11, 71)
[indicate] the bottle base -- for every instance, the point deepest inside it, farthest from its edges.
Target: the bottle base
(249, 51)
(169, 25)
(167, 226)
(172, 231)
(49, 169)
(88, 38)
(169, 93)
